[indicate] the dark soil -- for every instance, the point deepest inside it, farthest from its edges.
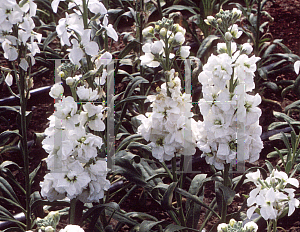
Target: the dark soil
(286, 14)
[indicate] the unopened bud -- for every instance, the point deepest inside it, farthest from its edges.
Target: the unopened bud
(228, 36)
(163, 32)
(209, 20)
(70, 81)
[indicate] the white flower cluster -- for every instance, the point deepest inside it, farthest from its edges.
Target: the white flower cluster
(75, 169)
(235, 226)
(171, 35)
(169, 128)
(230, 113)
(72, 32)
(272, 195)
(12, 13)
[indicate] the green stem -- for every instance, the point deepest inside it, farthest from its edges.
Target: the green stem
(88, 58)
(72, 211)
(178, 196)
(226, 183)
(167, 170)
(256, 49)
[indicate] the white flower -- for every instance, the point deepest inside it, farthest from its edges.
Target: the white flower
(10, 52)
(95, 111)
(254, 176)
(179, 38)
(67, 24)
(90, 47)
(234, 31)
(87, 94)
(72, 228)
(111, 32)
(104, 59)
(247, 48)
(9, 79)
(56, 90)
(96, 7)
(148, 60)
(184, 51)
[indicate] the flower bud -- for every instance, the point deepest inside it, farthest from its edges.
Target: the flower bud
(232, 222)
(219, 21)
(228, 36)
(163, 32)
(209, 20)
(222, 227)
(148, 31)
(157, 27)
(70, 81)
(49, 229)
(61, 74)
(184, 51)
(250, 227)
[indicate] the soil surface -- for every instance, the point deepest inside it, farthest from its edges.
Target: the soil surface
(286, 14)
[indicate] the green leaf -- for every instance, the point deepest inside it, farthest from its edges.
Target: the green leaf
(13, 229)
(8, 191)
(286, 90)
(131, 99)
(49, 39)
(13, 203)
(95, 212)
(124, 166)
(128, 140)
(295, 104)
(179, 8)
(129, 47)
(288, 166)
(147, 225)
(9, 108)
(194, 210)
(269, 166)
(283, 116)
(276, 153)
(5, 135)
(166, 202)
(205, 45)
(32, 175)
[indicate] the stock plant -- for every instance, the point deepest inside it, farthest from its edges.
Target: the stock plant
(152, 144)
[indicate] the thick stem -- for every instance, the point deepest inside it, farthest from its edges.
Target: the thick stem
(226, 183)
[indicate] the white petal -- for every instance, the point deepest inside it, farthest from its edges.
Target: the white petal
(111, 32)
(24, 64)
(9, 79)
(91, 48)
(297, 66)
